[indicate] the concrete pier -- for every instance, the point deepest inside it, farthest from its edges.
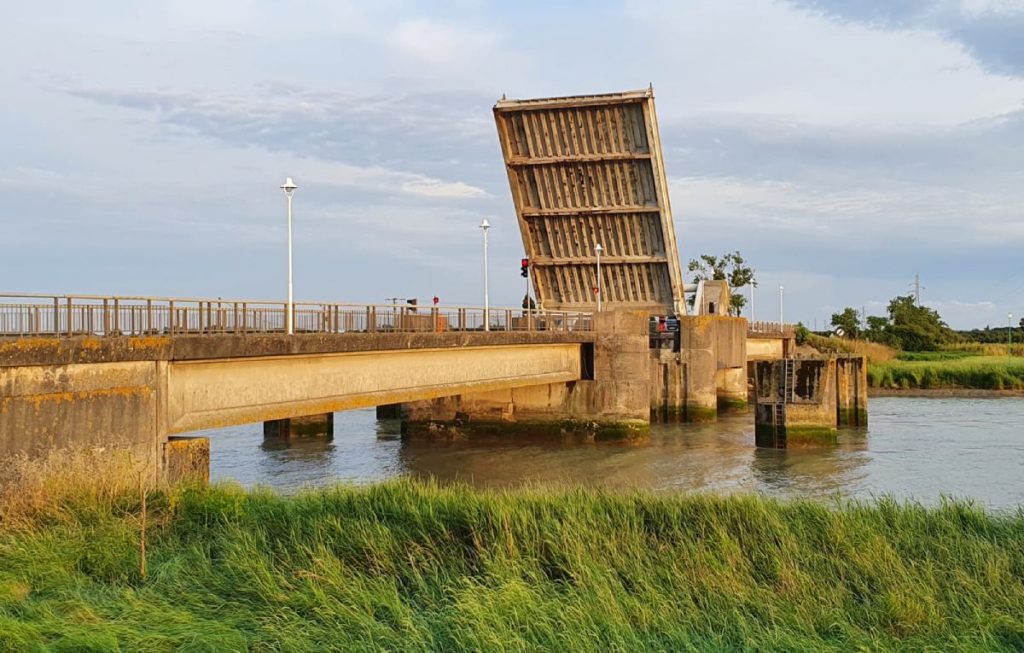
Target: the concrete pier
(803, 401)
(705, 374)
(306, 426)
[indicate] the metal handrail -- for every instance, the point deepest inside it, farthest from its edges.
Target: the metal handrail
(116, 315)
(771, 328)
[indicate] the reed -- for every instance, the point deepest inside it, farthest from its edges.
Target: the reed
(873, 351)
(949, 370)
(411, 566)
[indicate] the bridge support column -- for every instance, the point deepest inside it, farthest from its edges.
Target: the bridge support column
(803, 401)
(611, 401)
(389, 411)
(731, 386)
(698, 359)
(307, 426)
(852, 391)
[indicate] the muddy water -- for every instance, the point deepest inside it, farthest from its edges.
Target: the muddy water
(920, 448)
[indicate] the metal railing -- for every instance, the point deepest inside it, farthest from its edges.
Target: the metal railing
(38, 315)
(771, 328)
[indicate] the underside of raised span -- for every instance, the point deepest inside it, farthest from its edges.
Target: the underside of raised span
(216, 393)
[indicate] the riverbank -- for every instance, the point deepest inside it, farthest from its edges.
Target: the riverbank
(407, 566)
(953, 371)
(952, 393)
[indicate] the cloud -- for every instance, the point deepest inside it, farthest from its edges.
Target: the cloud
(439, 42)
(990, 30)
(338, 130)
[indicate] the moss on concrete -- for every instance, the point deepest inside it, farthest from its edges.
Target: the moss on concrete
(853, 417)
(727, 405)
(585, 430)
(701, 414)
(765, 435)
(807, 435)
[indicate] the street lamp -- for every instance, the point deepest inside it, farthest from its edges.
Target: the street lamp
(781, 321)
(485, 225)
(599, 249)
(289, 187)
(752, 285)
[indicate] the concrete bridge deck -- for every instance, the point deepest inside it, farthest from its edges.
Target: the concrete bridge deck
(133, 392)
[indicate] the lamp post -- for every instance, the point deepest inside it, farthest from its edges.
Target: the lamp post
(485, 225)
(289, 187)
(752, 284)
(599, 249)
(781, 321)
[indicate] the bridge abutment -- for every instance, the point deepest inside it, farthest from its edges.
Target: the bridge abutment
(611, 401)
(707, 374)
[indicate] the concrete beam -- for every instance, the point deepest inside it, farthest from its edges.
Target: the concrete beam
(217, 393)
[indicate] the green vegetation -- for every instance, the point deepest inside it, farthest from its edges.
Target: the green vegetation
(909, 326)
(411, 567)
(849, 321)
(948, 369)
(730, 267)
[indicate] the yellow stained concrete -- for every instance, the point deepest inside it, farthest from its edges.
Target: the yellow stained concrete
(212, 393)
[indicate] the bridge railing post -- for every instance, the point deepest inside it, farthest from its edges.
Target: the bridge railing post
(71, 318)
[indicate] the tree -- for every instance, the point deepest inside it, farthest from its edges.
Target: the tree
(729, 266)
(916, 328)
(878, 329)
(909, 326)
(849, 321)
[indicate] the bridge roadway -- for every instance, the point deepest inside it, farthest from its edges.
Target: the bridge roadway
(135, 382)
(123, 373)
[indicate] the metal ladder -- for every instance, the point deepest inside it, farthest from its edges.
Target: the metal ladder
(788, 385)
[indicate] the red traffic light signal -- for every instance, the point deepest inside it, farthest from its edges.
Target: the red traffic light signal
(524, 267)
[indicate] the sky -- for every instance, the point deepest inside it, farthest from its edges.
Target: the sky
(841, 147)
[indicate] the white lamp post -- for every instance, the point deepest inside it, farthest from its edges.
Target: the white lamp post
(781, 321)
(599, 249)
(752, 285)
(485, 225)
(289, 187)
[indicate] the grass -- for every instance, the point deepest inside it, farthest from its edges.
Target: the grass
(948, 369)
(873, 351)
(407, 566)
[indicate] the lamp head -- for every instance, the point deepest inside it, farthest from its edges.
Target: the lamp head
(598, 248)
(288, 186)
(485, 225)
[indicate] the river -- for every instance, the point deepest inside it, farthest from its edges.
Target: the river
(920, 448)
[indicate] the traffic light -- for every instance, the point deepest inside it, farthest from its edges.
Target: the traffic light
(524, 268)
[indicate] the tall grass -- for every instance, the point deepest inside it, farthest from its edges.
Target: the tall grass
(987, 349)
(873, 351)
(406, 566)
(954, 371)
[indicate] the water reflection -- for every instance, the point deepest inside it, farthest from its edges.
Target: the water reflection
(920, 448)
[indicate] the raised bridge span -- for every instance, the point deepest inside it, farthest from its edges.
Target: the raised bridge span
(131, 372)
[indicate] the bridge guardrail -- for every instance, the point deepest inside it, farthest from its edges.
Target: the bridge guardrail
(24, 315)
(771, 328)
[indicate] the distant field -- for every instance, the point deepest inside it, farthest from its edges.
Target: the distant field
(948, 369)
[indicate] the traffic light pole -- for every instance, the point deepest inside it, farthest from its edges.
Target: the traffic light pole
(529, 311)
